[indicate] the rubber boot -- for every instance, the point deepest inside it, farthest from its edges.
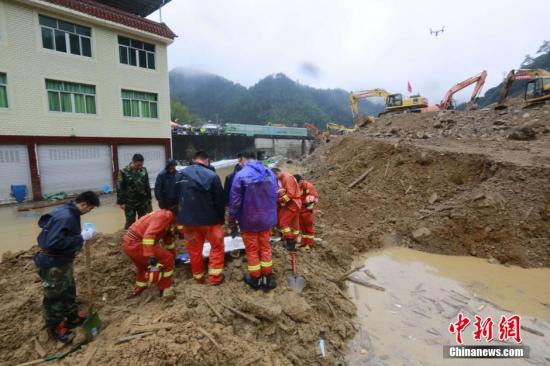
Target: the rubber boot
(254, 283)
(268, 283)
(291, 245)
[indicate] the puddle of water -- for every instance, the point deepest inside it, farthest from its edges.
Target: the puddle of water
(408, 323)
(20, 229)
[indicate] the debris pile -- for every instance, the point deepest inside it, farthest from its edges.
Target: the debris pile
(225, 325)
(482, 194)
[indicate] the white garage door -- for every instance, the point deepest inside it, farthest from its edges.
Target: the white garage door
(154, 155)
(14, 170)
(74, 168)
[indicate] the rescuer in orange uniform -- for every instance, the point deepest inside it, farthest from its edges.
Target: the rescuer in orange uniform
(154, 264)
(288, 214)
(201, 216)
(307, 212)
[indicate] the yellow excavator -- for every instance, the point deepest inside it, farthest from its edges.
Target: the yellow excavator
(394, 103)
(537, 89)
(335, 129)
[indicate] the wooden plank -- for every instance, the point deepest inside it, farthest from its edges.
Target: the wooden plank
(242, 315)
(212, 308)
(209, 336)
(361, 178)
(365, 283)
(351, 271)
(152, 328)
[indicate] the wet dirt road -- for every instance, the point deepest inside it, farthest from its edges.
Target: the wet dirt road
(408, 323)
(20, 229)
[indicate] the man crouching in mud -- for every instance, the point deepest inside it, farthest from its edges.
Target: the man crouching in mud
(60, 240)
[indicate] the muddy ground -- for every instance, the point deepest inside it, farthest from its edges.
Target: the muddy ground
(451, 183)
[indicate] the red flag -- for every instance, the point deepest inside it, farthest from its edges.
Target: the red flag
(409, 87)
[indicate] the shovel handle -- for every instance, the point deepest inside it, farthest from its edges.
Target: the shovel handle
(89, 273)
(293, 258)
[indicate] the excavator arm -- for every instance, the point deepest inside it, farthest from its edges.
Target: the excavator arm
(354, 99)
(478, 79)
(521, 74)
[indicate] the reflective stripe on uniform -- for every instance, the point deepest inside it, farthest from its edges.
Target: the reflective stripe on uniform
(170, 246)
(141, 284)
(284, 230)
(148, 242)
(167, 274)
(198, 276)
(296, 232)
(307, 236)
(214, 271)
(254, 268)
(179, 227)
(266, 264)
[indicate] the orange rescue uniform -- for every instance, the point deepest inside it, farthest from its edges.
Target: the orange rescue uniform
(194, 237)
(309, 198)
(290, 203)
(141, 241)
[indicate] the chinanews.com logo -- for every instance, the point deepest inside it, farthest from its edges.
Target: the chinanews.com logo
(509, 330)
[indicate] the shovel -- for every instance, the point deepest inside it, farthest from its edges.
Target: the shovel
(54, 357)
(92, 324)
(295, 281)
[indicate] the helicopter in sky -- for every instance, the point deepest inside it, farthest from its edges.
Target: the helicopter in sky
(436, 32)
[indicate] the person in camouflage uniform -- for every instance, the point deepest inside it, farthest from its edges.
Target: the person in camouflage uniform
(60, 240)
(134, 190)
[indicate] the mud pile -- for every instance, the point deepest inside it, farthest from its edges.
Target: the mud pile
(284, 328)
(468, 189)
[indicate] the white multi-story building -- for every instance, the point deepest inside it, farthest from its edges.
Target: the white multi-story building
(83, 86)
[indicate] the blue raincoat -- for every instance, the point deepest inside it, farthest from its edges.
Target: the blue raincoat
(253, 198)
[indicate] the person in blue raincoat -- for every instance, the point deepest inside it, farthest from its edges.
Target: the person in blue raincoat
(253, 205)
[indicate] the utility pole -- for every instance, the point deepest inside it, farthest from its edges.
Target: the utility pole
(160, 11)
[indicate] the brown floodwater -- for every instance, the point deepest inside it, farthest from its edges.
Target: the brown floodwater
(20, 229)
(408, 323)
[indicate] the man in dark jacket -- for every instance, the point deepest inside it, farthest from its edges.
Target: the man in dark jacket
(134, 190)
(59, 241)
(201, 216)
(229, 178)
(165, 186)
(253, 204)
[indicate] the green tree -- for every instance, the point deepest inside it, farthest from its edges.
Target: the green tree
(181, 114)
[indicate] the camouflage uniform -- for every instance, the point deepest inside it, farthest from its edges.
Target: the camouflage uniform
(59, 295)
(134, 191)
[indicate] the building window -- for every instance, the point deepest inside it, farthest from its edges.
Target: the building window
(70, 97)
(139, 104)
(66, 37)
(3, 90)
(136, 53)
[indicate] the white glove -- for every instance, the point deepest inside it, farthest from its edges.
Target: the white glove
(87, 234)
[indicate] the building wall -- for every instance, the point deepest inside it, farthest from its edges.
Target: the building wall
(27, 65)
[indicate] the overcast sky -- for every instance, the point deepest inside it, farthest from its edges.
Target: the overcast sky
(357, 44)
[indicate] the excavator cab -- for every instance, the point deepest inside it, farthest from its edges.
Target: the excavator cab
(394, 100)
(537, 90)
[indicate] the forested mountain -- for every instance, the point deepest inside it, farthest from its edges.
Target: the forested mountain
(540, 61)
(276, 99)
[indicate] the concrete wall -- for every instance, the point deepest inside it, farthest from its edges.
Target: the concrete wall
(28, 64)
(218, 147)
(227, 147)
(291, 148)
